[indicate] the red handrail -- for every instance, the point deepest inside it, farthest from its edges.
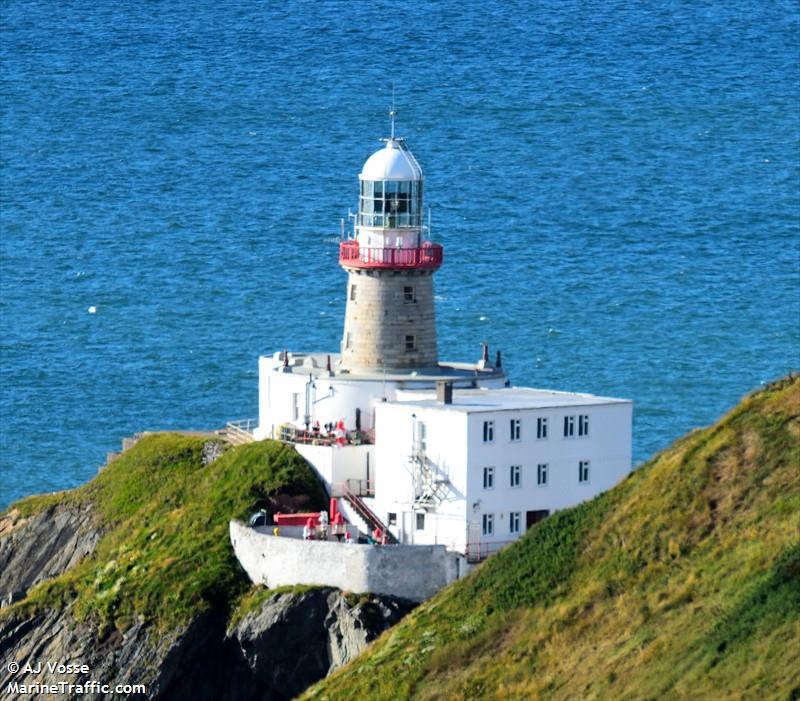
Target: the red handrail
(365, 512)
(429, 256)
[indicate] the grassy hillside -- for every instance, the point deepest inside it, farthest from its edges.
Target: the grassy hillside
(166, 553)
(683, 582)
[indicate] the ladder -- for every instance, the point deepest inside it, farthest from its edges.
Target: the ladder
(429, 491)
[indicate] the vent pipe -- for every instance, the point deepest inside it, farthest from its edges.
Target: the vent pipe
(444, 392)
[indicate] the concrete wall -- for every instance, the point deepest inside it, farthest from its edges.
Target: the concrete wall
(378, 318)
(410, 572)
(337, 465)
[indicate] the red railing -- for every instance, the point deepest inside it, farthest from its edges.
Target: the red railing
(429, 256)
(368, 515)
(288, 433)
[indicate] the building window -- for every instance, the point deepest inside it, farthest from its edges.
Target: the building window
(295, 406)
(352, 293)
(569, 426)
(408, 295)
(516, 429)
(348, 340)
(488, 478)
(541, 427)
(392, 520)
(541, 474)
(488, 431)
(583, 425)
(516, 475)
(411, 344)
(514, 519)
(583, 471)
(488, 524)
(420, 522)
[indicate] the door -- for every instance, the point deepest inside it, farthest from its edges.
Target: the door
(473, 542)
(533, 517)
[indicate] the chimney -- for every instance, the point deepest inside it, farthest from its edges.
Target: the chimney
(444, 392)
(484, 362)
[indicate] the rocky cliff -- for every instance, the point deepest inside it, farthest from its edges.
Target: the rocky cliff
(42, 546)
(290, 641)
(133, 576)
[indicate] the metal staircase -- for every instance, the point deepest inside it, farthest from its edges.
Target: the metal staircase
(367, 514)
(240, 432)
(430, 489)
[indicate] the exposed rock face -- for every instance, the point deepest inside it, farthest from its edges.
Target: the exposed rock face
(272, 654)
(296, 639)
(43, 546)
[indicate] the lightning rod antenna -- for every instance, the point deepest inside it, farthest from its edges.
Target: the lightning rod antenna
(392, 112)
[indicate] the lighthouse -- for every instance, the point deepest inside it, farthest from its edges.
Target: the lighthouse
(390, 321)
(427, 451)
(388, 344)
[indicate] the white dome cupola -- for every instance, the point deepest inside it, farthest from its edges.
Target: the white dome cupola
(391, 188)
(393, 162)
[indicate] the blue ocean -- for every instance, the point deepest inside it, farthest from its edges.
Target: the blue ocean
(616, 186)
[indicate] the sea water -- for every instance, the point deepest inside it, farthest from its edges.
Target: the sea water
(615, 185)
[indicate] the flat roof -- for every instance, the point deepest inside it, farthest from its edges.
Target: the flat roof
(315, 364)
(506, 399)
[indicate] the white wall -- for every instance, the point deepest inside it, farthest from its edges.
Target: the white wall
(340, 464)
(455, 444)
(446, 451)
(276, 405)
(276, 389)
(410, 572)
(607, 448)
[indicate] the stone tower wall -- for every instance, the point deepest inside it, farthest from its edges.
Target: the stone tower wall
(379, 317)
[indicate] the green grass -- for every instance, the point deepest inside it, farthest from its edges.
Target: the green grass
(166, 555)
(683, 582)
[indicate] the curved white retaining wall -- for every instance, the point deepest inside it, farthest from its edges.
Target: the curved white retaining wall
(414, 572)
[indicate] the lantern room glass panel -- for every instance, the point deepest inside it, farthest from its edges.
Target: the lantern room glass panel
(390, 204)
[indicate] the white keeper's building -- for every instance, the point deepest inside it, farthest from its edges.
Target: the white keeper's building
(431, 452)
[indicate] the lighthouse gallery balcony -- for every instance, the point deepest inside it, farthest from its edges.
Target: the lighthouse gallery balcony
(429, 256)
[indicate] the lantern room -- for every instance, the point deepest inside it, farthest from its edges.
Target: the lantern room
(389, 229)
(391, 189)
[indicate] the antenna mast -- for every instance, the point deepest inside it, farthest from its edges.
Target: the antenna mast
(392, 112)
